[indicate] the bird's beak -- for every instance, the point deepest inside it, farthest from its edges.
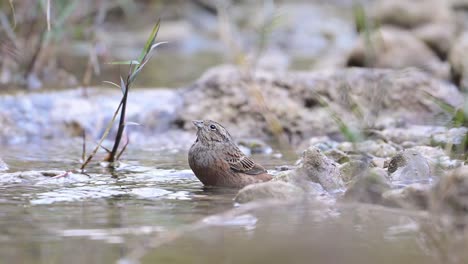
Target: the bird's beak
(198, 123)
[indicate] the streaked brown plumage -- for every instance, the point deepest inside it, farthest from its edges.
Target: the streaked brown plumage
(217, 161)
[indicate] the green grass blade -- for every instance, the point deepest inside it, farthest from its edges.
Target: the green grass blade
(150, 41)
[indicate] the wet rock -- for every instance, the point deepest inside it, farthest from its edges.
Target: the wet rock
(413, 196)
(458, 61)
(368, 187)
(353, 168)
(3, 166)
(316, 167)
(269, 190)
(449, 197)
(292, 98)
(409, 165)
(395, 48)
(67, 113)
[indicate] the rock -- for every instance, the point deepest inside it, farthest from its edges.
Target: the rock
(368, 187)
(418, 134)
(293, 98)
(439, 162)
(438, 36)
(373, 147)
(269, 190)
(410, 14)
(351, 169)
(316, 167)
(379, 162)
(409, 165)
(431, 21)
(413, 196)
(390, 47)
(449, 197)
(453, 136)
(3, 166)
(337, 155)
(459, 62)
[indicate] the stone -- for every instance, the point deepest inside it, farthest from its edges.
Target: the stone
(379, 162)
(316, 167)
(376, 148)
(269, 190)
(438, 36)
(449, 197)
(414, 196)
(431, 21)
(368, 187)
(351, 169)
(458, 61)
(395, 48)
(409, 166)
(337, 155)
(287, 176)
(418, 134)
(439, 161)
(453, 136)
(294, 99)
(410, 14)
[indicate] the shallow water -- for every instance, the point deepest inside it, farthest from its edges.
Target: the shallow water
(154, 199)
(80, 219)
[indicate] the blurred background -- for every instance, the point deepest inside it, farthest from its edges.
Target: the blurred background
(358, 107)
(84, 36)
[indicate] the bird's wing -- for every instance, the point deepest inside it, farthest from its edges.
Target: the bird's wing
(241, 163)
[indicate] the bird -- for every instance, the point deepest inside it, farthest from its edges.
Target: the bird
(217, 161)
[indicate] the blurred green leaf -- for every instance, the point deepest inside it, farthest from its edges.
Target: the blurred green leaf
(129, 62)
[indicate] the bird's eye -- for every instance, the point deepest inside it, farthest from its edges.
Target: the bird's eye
(213, 127)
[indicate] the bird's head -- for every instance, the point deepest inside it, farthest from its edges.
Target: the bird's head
(209, 132)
